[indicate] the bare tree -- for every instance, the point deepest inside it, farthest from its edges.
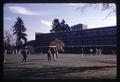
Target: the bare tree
(7, 41)
(110, 7)
(58, 43)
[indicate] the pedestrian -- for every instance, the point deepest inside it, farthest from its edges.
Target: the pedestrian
(100, 52)
(56, 52)
(52, 49)
(5, 53)
(91, 50)
(28, 51)
(24, 54)
(4, 61)
(113, 51)
(82, 52)
(96, 51)
(49, 55)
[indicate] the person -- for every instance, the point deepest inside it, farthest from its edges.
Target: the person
(91, 50)
(56, 52)
(52, 49)
(82, 52)
(100, 52)
(28, 51)
(97, 51)
(49, 55)
(24, 54)
(113, 51)
(5, 53)
(4, 61)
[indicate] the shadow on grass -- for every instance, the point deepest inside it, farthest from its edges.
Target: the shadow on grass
(44, 73)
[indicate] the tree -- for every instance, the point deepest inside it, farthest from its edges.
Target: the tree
(58, 43)
(110, 7)
(59, 27)
(55, 25)
(7, 41)
(64, 27)
(19, 30)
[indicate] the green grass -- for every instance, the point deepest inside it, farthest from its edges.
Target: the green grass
(67, 66)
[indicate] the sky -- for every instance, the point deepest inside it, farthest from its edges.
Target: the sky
(38, 17)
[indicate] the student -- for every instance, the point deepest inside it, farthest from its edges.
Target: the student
(56, 52)
(24, 54)
(5, 53)
(49, 55)
(53, 53)
(100, 51)
(82, 52)
(91, 50)
(97, 51)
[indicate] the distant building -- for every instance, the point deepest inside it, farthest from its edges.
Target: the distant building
(78, 27)
(102, 38)
(31, 46)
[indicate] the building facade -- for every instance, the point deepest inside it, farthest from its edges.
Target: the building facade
(102, 38)
(78, 27)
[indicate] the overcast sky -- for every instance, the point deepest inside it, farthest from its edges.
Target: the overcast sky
(39, 17)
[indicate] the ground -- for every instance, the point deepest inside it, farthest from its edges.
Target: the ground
(67, 66)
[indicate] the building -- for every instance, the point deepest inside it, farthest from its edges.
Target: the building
(31, 46)
(103, 38)
(78, 27)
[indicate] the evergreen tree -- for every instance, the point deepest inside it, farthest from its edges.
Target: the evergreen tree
(64, 27)
(19, 30)
(55, 25)
(59, 27)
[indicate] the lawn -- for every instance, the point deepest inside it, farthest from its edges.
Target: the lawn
(67, 66)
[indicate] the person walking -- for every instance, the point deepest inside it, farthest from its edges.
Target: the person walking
(97, 51)
(100, 52)
(24, 54)
(49, 55)
(52, 49)
(5, 53)
(56, 52)
(82, 52)
(91, 50)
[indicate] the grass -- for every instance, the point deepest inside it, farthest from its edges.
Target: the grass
(67, 66)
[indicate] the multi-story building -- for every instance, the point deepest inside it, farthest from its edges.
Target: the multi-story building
(103, 38)
(78, 27)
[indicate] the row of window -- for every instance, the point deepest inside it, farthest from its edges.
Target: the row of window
(74, 36)
(101, 36)
(91, 42)
(85, 40)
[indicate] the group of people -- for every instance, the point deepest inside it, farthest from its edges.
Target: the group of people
(15, 51)
(97, 51)
(23, 51)
(52, 53)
